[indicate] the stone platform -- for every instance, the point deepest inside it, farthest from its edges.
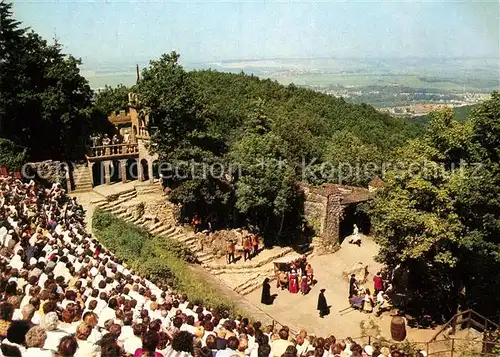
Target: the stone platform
(119, 188)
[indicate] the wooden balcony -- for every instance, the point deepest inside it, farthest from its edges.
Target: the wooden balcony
(110, 152)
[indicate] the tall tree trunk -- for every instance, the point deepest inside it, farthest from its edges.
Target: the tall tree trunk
(281, 223)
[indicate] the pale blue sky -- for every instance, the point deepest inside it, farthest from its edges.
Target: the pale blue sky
(110, 30)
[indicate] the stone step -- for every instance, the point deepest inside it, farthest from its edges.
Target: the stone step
(188, 238)
(147, 189)
(120, 200)
(145, 224)
(129, 219)
(79, 189)
(85, 178)
(83, 184)
(246, 284)
(100, 204)
(193, 244)
(230, 271)
(174, 234)
(138, 221)
(128, 195)
(195, 251)
(254, 284)
(205, 259)
(155, 225)
(258, 264)
(181, 238)
(114, 203)
(163, 230)
(150, 225)
(124, 215)
(97, 201)
(118, 210)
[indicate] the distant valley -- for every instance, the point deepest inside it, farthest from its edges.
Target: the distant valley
(403, 87)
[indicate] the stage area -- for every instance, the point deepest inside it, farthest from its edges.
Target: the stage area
(298, 311)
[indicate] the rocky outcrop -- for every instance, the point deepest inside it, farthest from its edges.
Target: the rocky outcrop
(47, 172)
(359, 269)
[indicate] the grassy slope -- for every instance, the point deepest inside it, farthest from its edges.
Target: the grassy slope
(160, 259)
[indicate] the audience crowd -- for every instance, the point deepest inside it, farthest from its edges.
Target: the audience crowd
(62, 294)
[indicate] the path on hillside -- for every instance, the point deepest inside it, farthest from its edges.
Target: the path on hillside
(85, 199)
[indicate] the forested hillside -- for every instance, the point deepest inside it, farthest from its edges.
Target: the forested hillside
(255, 139)
(312, 124)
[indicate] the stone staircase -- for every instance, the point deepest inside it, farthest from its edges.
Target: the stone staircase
(248, 277)
(81, 179)
(242, 277)
(124, 205)
(147, 189)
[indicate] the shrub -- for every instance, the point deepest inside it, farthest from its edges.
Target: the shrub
(11, 156)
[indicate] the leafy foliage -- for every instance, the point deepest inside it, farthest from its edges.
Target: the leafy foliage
(11, 155)
(106, 101)
(256, 136)
(111, 99)
(45, 102)
(438, 217)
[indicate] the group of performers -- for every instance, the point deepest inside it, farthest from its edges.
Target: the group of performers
(362, 299)
(249, 245)
(297, 276)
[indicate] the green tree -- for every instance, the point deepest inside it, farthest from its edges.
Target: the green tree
(265, 185)
(111, 99)
(11, 156)
(438, 216)
(165, 91)
(181, 139)
(45, 102)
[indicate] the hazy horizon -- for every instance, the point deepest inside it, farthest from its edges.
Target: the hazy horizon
(115, 31)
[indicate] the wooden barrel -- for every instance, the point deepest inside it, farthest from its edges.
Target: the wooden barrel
(398, 328)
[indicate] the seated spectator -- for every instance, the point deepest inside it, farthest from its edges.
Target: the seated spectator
(16, 338)
(85, 347)
(231, 348)
(35, 340)
(134, 343)
(280, 345)
(149, 344)
(182, 345)
(50, 323)
(6, 313)
(67, 346)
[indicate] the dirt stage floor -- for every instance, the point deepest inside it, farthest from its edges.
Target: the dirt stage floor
(299, 311)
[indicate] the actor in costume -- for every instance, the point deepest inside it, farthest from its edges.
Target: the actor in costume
(322, 304)
(266, 298)
(293, 284)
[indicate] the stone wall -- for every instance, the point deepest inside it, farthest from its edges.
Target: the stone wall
(324, 206)
(160, 210)
(47, 172)
(323, 210)
(314, 208)
(333, 215)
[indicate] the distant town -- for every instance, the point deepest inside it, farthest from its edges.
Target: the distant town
(406, 102)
